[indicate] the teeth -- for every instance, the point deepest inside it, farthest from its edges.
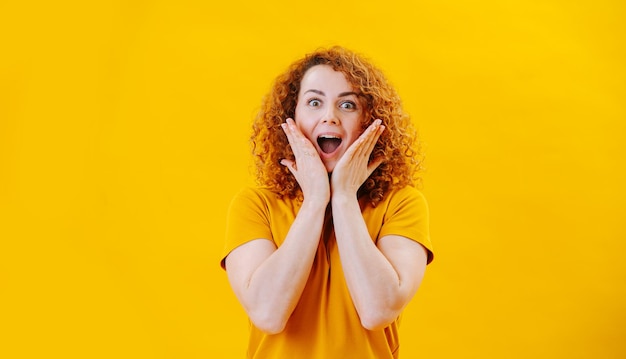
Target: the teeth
(328, 143)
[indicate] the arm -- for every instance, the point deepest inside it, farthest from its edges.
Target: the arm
(269, 281)
(381, 278)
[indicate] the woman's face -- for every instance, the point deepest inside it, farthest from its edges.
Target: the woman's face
(328, 113)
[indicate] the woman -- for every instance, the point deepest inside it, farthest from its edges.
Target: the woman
(331, 246)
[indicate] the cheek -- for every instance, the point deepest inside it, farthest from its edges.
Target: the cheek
(297, 112)
(356, 131)
(302, 126)
(352, 140)
(301, 121)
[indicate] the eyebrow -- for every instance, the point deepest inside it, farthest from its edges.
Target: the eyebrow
(343, 94)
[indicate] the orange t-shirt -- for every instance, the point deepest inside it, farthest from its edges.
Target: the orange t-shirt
(325, 323)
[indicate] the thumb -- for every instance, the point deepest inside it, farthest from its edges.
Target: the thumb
(374, 164)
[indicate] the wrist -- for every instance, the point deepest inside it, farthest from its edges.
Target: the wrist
(315, 202)
(343, 198)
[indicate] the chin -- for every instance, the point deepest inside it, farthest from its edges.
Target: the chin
(330, 163)
(330, 167)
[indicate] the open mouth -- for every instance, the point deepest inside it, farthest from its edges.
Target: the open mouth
(328, 143)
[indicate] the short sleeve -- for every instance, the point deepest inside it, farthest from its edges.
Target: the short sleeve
(247, 219)
(407, 215)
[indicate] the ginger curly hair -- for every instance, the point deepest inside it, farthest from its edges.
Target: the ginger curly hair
(398, 144)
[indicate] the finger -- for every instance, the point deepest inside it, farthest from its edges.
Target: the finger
(373, 165)
(292, 138)
(291, 165)
(368, 139)
(289, 132)
(300, 145)
(372, 138)
(356, 149)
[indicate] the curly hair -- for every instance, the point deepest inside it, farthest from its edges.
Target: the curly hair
(398, 144)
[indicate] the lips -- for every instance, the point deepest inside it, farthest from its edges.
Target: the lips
(328, 143)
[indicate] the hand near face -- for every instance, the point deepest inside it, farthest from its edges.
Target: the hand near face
(354, 168)
(308, 168)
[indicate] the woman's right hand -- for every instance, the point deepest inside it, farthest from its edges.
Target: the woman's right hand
(308, 168)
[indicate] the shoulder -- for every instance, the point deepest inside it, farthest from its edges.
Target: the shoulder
(406, 191)
(255, 194)
(398, 200)
(407, 195)
(263, 198)
(407, 215)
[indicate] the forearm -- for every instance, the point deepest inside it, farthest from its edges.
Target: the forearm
(274, 288)
(376, 288)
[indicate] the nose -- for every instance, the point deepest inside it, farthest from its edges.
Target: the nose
(331, 116)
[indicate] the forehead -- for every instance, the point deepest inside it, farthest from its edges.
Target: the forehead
(324, 78)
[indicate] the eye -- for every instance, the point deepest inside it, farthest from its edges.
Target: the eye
(348, 105)
(314, 102)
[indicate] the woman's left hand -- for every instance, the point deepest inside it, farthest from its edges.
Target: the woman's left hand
(354, 167)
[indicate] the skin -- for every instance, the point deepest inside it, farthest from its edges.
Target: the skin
(382, 277)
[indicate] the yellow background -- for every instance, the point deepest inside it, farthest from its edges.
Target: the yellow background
(123, 136)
